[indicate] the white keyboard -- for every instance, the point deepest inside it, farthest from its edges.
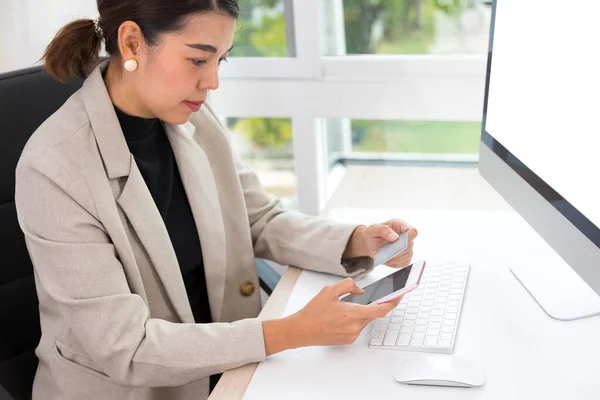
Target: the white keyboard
(427, 318)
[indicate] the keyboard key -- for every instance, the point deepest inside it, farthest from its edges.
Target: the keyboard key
(446, 336)
(448, 329)
(452, 309)
(378, 334)
(396, 320)
(445, 343)
(424, 315)
(395, 327)
(422, 322)
(436, 318)
(453, 303)
(419, 335)
(433, 332)
(439, 306)
(431, 341)
(435, 325)
(426, 308)
(399, 313)
(437, 312)
(429, 296)
(404, 339)
(377, 341)
(427, 302)
(449, 322)
(410, 317)
(409, 323)
(390, 337)
(450, 315)
(455, 297)
(420, 328)
(406, 329)
(416, 342)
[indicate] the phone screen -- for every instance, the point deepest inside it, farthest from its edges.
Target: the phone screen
(381, 288)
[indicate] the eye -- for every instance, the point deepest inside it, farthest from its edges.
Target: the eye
(223, 60)
(197, 62)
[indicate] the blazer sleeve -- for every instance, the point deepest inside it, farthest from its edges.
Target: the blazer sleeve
(292, 238)
(84, 285)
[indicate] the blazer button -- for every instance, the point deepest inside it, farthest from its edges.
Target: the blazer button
(247, 288)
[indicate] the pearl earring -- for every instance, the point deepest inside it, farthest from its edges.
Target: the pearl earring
(131, 65)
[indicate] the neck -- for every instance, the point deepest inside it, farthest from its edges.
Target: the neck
(122, 95)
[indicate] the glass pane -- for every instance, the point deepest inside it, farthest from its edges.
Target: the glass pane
(424, 137)
(265, 144)
(412, 26)
(261, 30)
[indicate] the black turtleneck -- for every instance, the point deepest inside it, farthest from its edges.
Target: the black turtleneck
(153, 155)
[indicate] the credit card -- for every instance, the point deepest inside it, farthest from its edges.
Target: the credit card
(391, 250)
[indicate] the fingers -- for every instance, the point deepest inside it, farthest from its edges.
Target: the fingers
(383, 309)
(385, 232)
(373, 311)
(401, 226)
(343, 287)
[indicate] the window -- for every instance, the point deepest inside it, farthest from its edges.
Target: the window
(261, 29)
(358, 79)
(414, 27)
(360, 140)
(265, 145)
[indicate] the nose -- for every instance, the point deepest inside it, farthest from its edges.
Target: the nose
(210, 79)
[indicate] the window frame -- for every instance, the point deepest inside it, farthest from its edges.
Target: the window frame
(310, 87)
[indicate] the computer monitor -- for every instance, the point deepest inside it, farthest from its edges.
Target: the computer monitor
(540, 143)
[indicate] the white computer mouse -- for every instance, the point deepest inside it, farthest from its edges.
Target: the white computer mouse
(435, 370)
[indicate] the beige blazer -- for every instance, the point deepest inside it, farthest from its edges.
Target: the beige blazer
(116, 321)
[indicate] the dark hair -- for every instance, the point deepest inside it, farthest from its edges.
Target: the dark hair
(76, 47)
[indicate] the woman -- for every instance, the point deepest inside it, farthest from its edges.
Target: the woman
(143, 225)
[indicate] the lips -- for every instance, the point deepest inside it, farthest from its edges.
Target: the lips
(194, 105)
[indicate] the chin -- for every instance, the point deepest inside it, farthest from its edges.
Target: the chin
(178, 119)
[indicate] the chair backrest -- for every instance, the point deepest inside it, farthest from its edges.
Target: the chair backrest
(27, 98)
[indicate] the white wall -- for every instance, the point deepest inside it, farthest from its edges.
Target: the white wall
(28, 26)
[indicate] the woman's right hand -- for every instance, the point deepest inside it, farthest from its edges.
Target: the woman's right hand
(324, 321)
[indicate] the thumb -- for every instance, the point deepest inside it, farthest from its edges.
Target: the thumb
(346, 286)
(385, 232)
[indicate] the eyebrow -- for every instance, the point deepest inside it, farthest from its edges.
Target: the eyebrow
(206, 47)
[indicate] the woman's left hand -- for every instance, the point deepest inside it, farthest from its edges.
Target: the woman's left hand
(366, 240)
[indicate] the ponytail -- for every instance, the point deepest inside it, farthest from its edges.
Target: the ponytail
(74, 51)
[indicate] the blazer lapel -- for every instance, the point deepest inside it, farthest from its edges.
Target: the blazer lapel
(135, 199)
(141, 211)
(201, 189)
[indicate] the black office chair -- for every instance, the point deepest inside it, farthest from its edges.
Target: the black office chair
(27, 98)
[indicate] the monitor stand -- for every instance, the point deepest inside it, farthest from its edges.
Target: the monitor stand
(558, 290)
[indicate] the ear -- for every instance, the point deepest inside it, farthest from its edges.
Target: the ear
(131, 40)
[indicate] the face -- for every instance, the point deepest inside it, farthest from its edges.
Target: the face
(173, 78)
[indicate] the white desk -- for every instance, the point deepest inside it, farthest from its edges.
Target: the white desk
(524, 353)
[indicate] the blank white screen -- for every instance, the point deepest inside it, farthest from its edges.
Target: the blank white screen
(543, 103)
